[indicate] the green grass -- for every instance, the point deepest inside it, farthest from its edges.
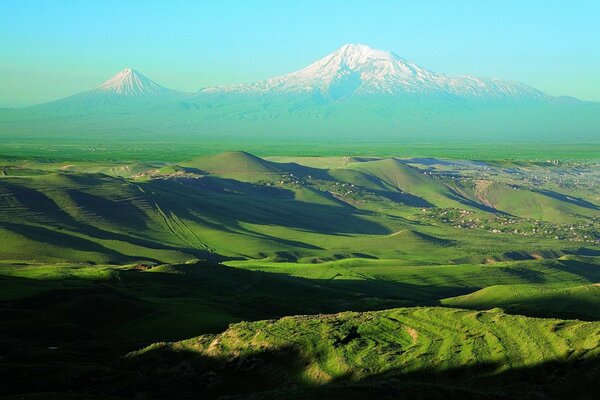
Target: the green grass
(173, 150)
(531, 204)
(395, 174)
(320, 355)
(433, 283)
(576, 302)
(95, 314)
(99, 259)
(248, 207)
(236, 164)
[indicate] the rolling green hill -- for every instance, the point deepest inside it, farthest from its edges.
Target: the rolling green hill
(533, 204)
(235, 164)
(94, 315)
(395, 174)
(575, 302)
(101, 259)
(239, 205)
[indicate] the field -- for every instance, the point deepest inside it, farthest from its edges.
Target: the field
(314, 273)
(117, 149)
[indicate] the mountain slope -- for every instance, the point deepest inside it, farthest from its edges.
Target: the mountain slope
(129, 82)
(359, 69)
(355, 92)
(361, 92)
(248, 167)
(128, 93)
(395, 175)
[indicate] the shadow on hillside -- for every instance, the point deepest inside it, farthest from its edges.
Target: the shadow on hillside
(62, 240)
(89, 308)
(234, 187)
(234, 203)
(277, 373)
(92, 322)
(581, 268)
(585, 251)
(231, 209)
(40, 203)
(118, 214)
(163, 372)
(454, 195)
(404, 198)
(570, 199)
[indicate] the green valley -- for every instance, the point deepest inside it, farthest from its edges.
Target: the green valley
(236, 276)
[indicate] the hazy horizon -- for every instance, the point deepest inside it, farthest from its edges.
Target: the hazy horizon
(185, 46)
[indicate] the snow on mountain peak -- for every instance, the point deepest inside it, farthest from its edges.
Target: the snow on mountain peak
(360, 69)
(357, 54)
(130, 82)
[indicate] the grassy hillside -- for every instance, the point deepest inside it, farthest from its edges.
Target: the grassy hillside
(533, 204)
(239, 205)
(86, 318)
(576, 302)
(100, 259)
(235, 164)
(425, 351)
(397, 175)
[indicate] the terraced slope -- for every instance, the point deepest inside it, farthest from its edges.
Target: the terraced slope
(87, 217)
(427, 351)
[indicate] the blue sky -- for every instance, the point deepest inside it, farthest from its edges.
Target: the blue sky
(51, 49)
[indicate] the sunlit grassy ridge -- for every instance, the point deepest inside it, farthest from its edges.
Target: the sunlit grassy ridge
(288, 357)
(578, 301)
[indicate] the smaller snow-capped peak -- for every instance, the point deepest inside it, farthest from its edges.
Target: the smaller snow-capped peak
(130, 82)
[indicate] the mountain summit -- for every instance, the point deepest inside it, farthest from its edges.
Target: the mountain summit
(360, 69)
(130, 82)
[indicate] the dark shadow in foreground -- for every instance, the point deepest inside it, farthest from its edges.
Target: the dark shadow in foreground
(94, 322)
(165, 373)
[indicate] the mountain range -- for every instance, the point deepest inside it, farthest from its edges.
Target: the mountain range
(354, 92)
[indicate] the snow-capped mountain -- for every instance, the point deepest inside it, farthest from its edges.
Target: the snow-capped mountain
(130, 82)
(355, 92)
(127, 88)
(128, 91)
(359, 69)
